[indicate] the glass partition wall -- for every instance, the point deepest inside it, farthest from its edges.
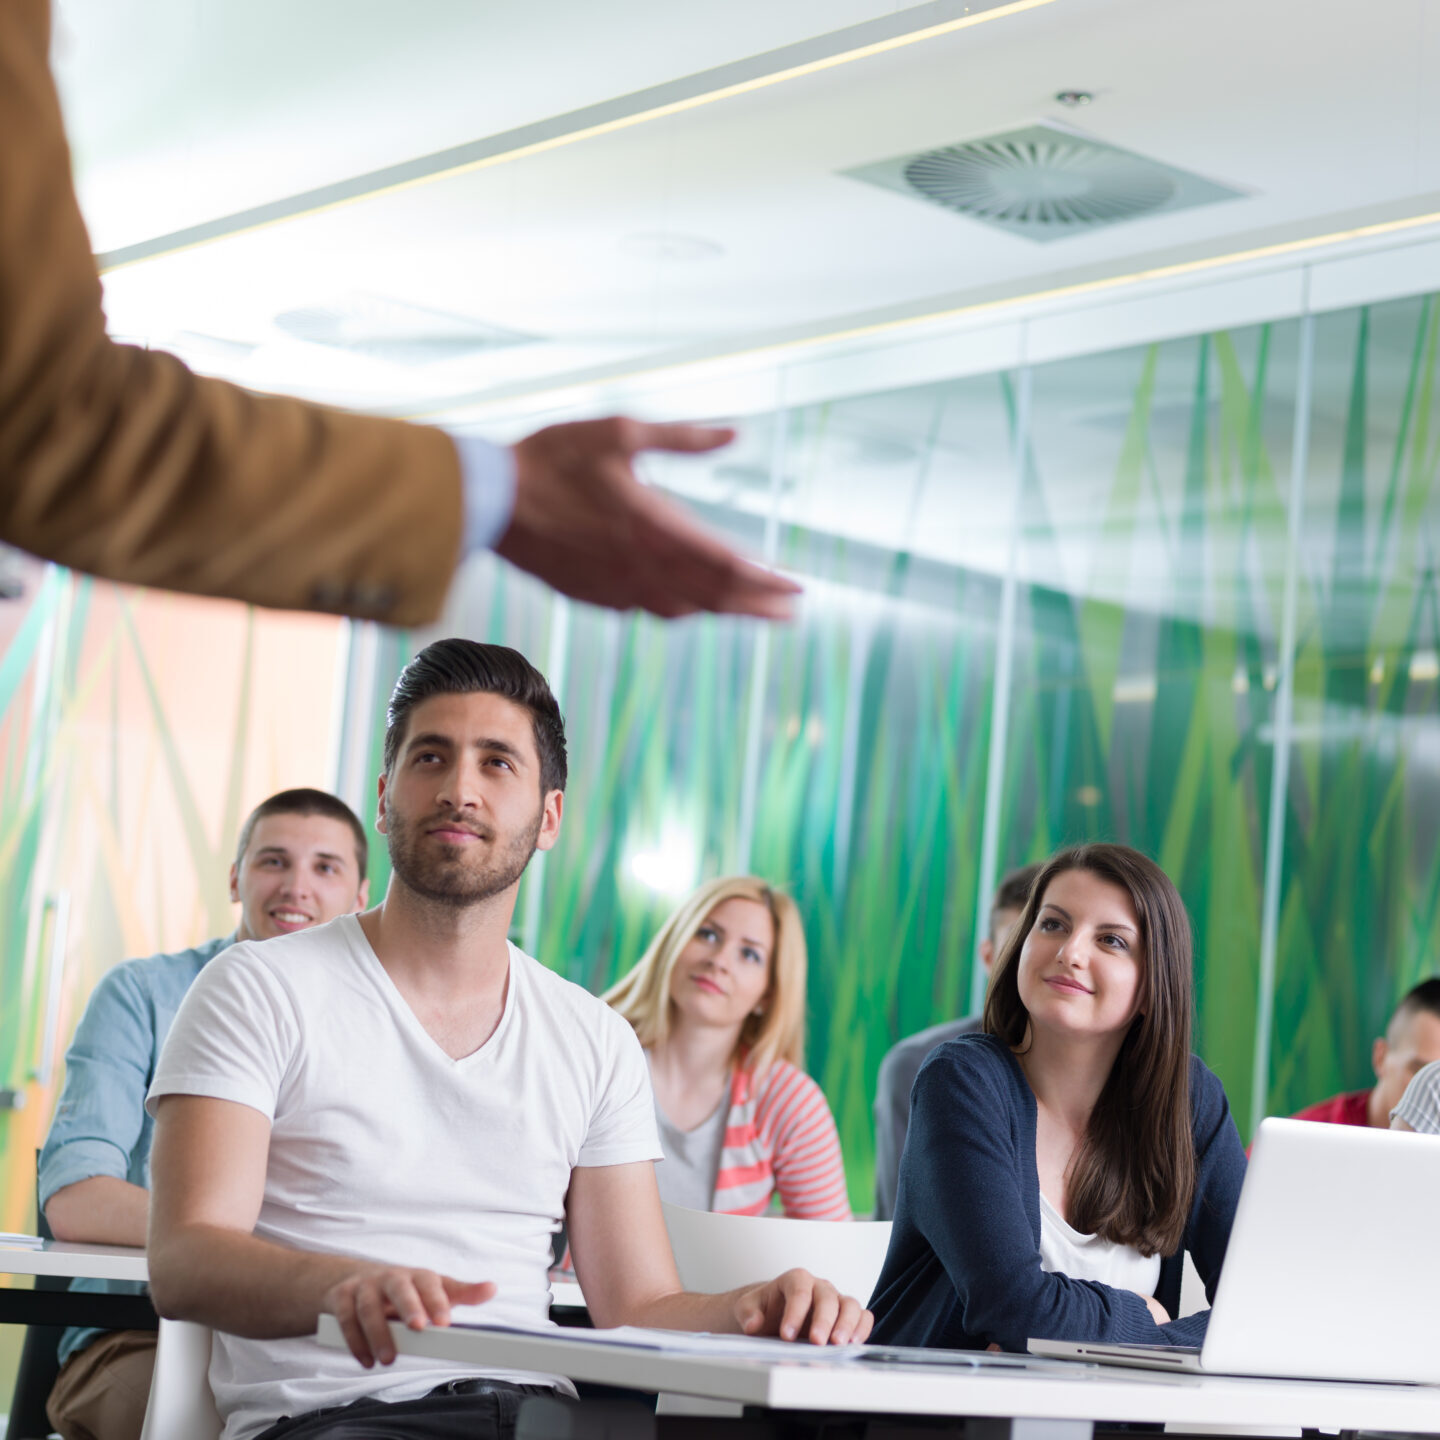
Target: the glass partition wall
(1180, 595)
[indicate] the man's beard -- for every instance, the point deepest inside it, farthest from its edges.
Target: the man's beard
(446, 878)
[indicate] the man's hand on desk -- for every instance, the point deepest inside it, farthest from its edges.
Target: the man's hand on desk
(798, 1306)
(584, 524)
(624, 1262)
(366, 1302)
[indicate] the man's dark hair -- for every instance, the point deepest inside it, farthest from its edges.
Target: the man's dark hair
(466, 667)
(1423, 999)
(1012, 892)
(306, 802)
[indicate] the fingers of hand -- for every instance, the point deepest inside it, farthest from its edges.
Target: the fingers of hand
(691, 569)
(753, 590)
(460, 1292)
(849, 1319)
(372, 1315)
(596, 532)
(342, 1301)
(750, 1311)
(365, 1305)
(400, 1293)
(824, 1313)
(798, 1289)
(434, 1301)
(344, 1312)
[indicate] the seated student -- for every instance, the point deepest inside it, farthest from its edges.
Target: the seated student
(1411, 1039)
(300, 861)
(1419, 1106)
(718, 1002)
(902, 1062)
(392, 1115)
(1059, 1164)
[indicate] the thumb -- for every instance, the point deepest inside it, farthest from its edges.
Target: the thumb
(463, 1292)
(680, 437)
(750, 1312)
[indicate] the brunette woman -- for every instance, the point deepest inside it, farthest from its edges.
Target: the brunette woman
(1059, 1164)
(718, 1002)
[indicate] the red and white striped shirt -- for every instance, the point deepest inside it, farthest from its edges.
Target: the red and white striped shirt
(780, 1135)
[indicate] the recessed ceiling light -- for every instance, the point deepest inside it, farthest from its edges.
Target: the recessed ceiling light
(666, 245)
(1074, 98)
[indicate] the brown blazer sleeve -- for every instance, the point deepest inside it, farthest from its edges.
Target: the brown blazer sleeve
(120, 461)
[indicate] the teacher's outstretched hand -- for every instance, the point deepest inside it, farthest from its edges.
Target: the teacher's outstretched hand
(584, 524)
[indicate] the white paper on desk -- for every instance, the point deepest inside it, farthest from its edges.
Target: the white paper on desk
(681, 1342)
(25, 1242)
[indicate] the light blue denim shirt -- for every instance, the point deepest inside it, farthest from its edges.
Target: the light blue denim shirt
(100, 1125)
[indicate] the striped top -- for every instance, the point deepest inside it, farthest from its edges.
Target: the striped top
(1419, 1106)
(780, 1135)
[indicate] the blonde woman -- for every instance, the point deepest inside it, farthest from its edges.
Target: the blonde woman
(718, 1002)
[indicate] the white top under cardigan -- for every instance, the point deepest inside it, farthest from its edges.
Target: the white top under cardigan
(1065, 1251)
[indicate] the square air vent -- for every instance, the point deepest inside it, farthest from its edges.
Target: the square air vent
(1044, 182)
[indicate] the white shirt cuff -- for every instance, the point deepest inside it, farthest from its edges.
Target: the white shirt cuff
(487, 478)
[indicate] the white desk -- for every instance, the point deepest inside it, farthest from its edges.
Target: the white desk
(124, 1262)
(1040, 1400)
(64, 1257)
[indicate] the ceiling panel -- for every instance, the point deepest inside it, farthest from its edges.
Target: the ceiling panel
(1291, 103)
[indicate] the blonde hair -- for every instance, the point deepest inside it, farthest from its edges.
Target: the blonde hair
(643, 995)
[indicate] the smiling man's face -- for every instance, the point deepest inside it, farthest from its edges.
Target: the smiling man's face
(297, 871)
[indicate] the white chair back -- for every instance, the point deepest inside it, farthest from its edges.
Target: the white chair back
(722, 1252)
(181, 1405)
(1192, 1289)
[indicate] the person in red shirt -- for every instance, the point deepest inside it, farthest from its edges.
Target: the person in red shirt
(1410, 1042)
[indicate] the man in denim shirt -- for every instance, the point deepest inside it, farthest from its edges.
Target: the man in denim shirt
(300, 861)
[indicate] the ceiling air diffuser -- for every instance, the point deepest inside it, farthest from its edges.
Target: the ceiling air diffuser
(1044, 182)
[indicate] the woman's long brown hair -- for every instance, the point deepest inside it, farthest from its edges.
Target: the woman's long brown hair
(1132, 1180)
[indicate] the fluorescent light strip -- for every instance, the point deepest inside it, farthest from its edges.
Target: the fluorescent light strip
(451, 408)
(741, 77)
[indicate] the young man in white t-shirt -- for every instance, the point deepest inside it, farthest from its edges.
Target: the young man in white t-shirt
(391, 1115)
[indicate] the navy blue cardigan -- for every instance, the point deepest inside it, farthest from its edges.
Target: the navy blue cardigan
(963, 1268)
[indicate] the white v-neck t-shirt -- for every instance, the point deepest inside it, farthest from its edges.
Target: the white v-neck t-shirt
(1067, 1251)
(382, 1146)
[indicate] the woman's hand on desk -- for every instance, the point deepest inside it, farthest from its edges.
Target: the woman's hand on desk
(798, 1306)
(1158, 1313)
(366, 1302)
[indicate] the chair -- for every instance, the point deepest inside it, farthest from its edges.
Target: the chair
(1192, 1289)
(39, 1357)
(721, 1252)
(182, 1405)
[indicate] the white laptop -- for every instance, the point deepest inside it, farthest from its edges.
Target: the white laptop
(1333, 1268)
